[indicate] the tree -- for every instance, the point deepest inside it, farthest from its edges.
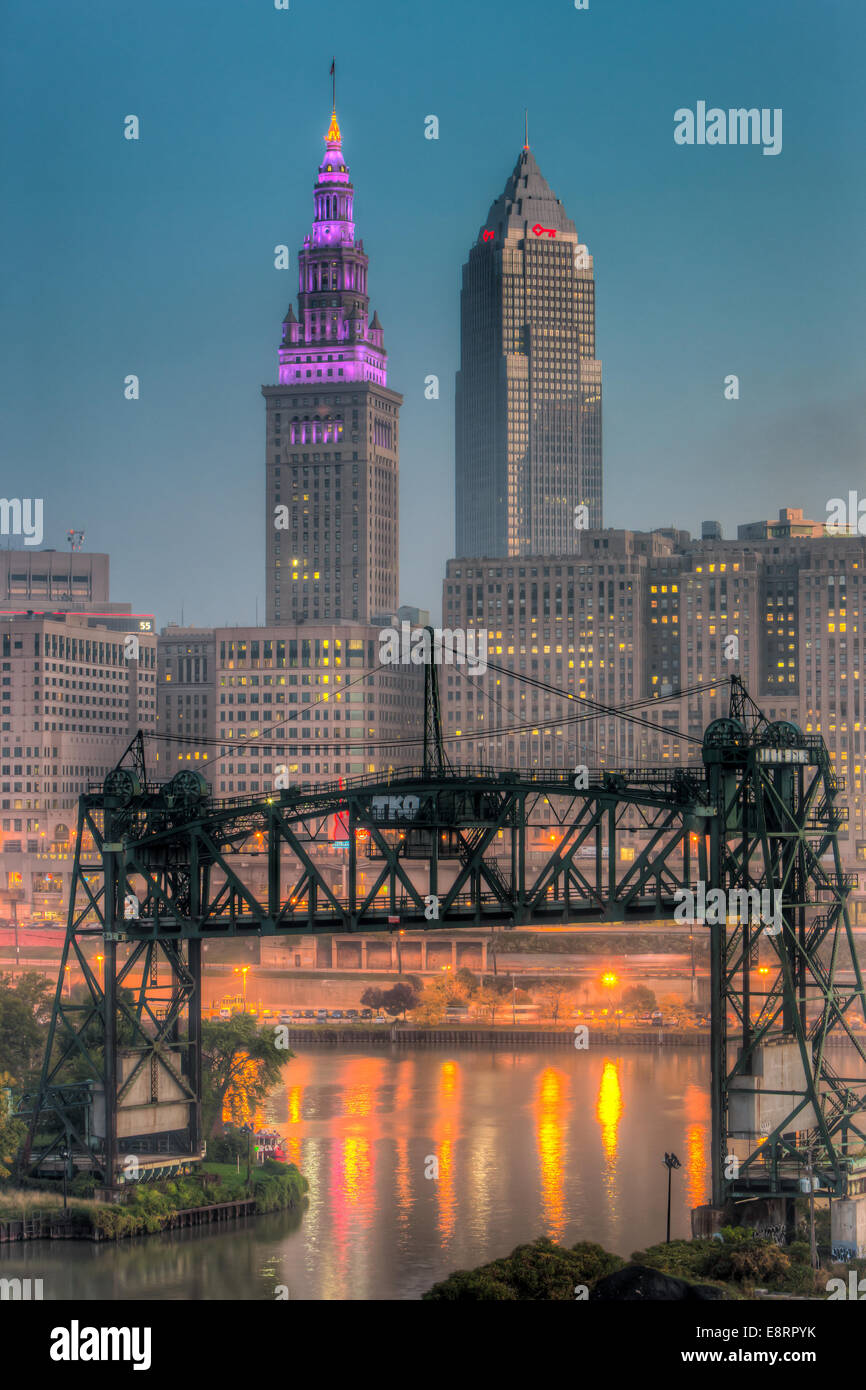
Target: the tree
(465, 984)
(397, 1000)
(488, 1000)
(35, 991)
(639, 999)
(240, 1064)
(431, 1006)
(373, 998)
(551, 997)
(12, 1131)
(24, 1009)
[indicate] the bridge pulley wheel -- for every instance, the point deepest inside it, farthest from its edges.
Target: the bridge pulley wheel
(122, 783)
(187, 787)
(725, 733)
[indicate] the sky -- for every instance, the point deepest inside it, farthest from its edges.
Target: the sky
(156, 257)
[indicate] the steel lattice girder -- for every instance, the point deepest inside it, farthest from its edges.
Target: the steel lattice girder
(777, 823)
(84, 1035)
(193, 888)
(735, 829)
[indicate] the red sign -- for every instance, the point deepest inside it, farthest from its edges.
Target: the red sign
(487, 235)
(394, 919)
(538, 230)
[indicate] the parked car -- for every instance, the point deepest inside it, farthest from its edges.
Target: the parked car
(287, 1018)
(337, 1013)
(352, 1013)
(321, 1015)
(380, 1018)
(308, 1013)
(656, 1017)
(225, 1013)
(366, 1013)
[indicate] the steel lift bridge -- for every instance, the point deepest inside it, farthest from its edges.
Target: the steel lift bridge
(156, 874)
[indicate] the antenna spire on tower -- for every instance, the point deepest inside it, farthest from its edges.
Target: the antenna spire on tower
(333, 136)
(525, 128)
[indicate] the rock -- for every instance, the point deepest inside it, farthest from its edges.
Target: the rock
(638, 1283)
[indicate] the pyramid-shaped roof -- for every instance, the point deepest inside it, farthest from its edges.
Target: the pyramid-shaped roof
(528, 199)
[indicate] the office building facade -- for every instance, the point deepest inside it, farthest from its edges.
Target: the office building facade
(645, 616)
(528, 392)
(77, 682)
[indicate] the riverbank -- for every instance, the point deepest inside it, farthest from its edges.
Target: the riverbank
(214, 1194)
(356, 1035)
(405, 1035)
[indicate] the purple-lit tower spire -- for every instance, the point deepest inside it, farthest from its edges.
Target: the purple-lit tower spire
(332, 337)
(332, 483)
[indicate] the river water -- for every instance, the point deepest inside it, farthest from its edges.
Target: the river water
(551, 1142)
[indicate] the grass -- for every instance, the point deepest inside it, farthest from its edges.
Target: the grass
(147, 1208)
(16, 1205)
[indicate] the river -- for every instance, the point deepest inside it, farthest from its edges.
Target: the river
(552, 1142)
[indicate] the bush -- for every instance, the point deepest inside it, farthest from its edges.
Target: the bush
(750, 1262)
(540, 1271)
(231, 1144)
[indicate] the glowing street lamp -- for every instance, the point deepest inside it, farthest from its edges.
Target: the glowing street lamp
(242, 971)
(99, 960)
(671, 1162)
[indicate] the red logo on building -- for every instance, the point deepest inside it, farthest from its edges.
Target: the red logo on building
(538, 230)
(487, 235)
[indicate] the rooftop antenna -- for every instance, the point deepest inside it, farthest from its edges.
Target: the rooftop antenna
(334, 85)
(526, 128)
(75, 539)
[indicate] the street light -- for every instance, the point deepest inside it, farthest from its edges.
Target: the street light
(65, 1155)
(99, 960)
(242, 971)
(671, 1162)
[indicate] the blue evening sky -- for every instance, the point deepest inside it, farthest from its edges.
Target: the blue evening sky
(156, 257)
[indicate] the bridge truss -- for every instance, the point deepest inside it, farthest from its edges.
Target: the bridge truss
(157, 873)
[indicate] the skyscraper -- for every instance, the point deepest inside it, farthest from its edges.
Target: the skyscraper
(528, 397)
(332, 429)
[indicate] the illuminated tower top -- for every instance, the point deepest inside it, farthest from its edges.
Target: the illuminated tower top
(332, 338)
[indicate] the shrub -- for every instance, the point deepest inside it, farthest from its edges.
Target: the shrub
(540, 1271)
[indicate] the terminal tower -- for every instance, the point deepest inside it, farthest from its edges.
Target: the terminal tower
(332, 446)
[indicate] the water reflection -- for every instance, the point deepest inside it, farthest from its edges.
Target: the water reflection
(555, 1142)
(550, 1114)
(609, 1109)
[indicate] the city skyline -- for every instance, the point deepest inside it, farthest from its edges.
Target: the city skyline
(702, 273)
